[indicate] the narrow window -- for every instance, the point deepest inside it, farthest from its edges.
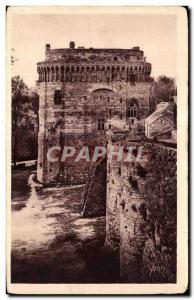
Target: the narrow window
(100, 124)
(132, 79)
(109, 126)
(121, 116)
(120, 171)
(58, 97)
(121, 100)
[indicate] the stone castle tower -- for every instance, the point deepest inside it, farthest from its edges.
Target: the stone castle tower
(83, 94)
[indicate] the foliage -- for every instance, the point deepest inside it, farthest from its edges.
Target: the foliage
(164, 89)
(24, 110)
(24, 104)
(160, 198)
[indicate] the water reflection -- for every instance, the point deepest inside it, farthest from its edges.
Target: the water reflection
(30, 226)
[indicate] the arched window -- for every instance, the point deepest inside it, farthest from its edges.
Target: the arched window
(132, 110)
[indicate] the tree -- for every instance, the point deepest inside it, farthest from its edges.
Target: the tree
(24, 110)
(164, 89)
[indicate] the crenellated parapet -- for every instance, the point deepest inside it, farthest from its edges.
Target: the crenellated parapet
(80, 64)
(53, 72)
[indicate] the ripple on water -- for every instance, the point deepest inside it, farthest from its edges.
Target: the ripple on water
(84, 228)
(30, 226)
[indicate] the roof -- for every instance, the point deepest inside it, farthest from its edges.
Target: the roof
(161, 107)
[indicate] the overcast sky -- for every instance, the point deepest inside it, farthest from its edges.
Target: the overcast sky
(155, 34)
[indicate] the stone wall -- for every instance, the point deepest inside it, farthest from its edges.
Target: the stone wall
(161, 123)
(160, 127)
(93, 202)
(79, 112)
(141, 214)
(159, 258)
(113, 201)
(94, 84)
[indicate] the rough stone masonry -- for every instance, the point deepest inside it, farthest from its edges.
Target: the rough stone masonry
(83, 93)
(141, 212)
(101, 97)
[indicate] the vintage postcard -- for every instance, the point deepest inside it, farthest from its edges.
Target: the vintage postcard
(97, 150)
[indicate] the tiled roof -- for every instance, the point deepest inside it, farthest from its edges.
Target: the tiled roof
(161, 107)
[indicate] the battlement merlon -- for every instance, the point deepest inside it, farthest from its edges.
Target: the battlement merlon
(108, 54)
(95, 64)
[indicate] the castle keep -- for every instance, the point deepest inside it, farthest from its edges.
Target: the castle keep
(83, 94)
(101, 97)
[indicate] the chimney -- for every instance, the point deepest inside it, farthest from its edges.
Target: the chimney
(48, 47)
(72, 45)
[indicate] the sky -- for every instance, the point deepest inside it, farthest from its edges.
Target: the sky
(154, 34)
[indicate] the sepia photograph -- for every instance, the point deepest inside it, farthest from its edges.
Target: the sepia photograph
(97, 120)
